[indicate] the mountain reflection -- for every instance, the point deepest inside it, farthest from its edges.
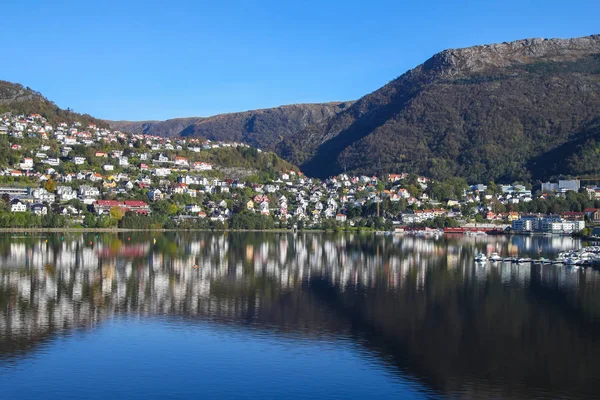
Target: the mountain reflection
(422, 306)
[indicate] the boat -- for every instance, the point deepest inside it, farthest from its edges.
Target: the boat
(571, 261)
(480, 257)
(475, 233)
(523, 260)
(494, 257)
(567, 255)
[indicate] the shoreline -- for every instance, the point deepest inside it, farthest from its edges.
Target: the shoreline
(155, 230)
(117, 230)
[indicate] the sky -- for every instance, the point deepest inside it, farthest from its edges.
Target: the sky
(146, 60)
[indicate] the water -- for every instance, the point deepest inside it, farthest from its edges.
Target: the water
(249, 315)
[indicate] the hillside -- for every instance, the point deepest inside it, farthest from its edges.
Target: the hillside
(168, 128)
(519, 110)
(260, 128)
(16, 99)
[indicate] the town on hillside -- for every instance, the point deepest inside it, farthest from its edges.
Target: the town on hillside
(85, 176)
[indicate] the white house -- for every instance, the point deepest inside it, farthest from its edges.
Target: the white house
(162, 171)
(202, 166)
(17, 206)
(66, 193)
(39, 209)
(193, 208)
(52, 161)
(155, 194)
(26, 164)
(88, 191)
(181, 161)
(340, 217)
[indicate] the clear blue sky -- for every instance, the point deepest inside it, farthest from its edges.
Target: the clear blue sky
(163, 59)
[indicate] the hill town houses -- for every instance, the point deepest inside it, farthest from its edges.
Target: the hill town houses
(80, 169)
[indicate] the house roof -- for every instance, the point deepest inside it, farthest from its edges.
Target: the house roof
(135, 203)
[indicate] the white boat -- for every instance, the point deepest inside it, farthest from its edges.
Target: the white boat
(480, 257)
(494, 257)
(567, 255)
(523, 260)
(475, 233)
(571, 261)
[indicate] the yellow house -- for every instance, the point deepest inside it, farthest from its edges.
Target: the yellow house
(512, 216)
(109, 184)
(250, 205)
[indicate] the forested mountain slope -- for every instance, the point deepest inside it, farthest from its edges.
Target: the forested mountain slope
(518, 110)
(17, 99)
(260, 128)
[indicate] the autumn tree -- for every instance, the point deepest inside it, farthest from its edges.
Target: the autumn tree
(50, 185)
(117, 213)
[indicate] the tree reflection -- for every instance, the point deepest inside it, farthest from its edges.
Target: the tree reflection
(421, 305)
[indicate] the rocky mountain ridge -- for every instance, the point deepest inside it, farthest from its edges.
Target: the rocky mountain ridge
(485, 112)
(263, 128)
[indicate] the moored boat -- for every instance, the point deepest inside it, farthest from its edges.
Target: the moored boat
(480, 257)
(494, 257)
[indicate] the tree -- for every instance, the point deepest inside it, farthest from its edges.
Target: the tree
(117, 213)
(50, 185)
(5, 202)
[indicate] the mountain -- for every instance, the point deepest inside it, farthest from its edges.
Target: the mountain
(16, 99)
(260, 128)
(169, 128)
(519, 110)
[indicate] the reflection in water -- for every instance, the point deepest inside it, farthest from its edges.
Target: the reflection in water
(422, 307)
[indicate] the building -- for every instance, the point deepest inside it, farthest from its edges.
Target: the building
(12, 191)
(39, 209)
(17, 206)
(526, 224)
(193, 208)
(593, 214)
(155, 194)
(566, 226)
(573, 216)
(104, 206)
(550, 187)
(27, 164)
(566, 185)
(202, 166)
(547, 224)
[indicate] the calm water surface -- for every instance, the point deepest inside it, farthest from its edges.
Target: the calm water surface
(299, 316)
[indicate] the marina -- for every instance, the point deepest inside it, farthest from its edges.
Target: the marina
(588, 256)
